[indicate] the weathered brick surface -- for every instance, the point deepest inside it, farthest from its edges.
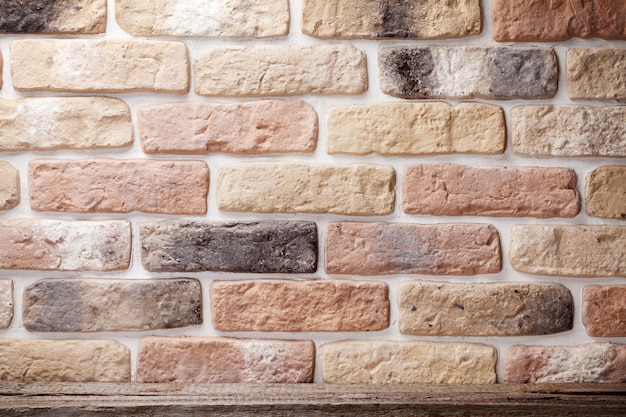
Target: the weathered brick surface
(468, 72)
(119, 186)
(230, 18)
(405, 248)
(569, 130)
(604, 310)
(460, 190)
(39, 360)
(523, 20)
(596, 73)
(6, 303)
(224, 360)
(280, 70)
(408, 362)
(606, 192)
(58, 16)
(9, 186)
(391, 19)
(590, 362)
(577, 251)
(98, 305)
(284, 187)
(47, 123)
(416, 129)
(64, 245)
(1, 66)
(432, 308)
(297, 306)
(106, 66)
(269, 126)
(257, 247)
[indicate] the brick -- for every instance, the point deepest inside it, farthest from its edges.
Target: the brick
(60, 245)
(114, 305)
(269, 126)
(391, 19)
(576, 251)
(416, 129)
(285, 187)
(604, 310)
(569, 130)
(606, 192)
(51, 123)
(299, 306)
(1, 65)
(99, 66)
(430, 308)
(596, 73)
(461, 190)
(280, 70)
(224, 360)
(255, 247)
(225, 18)
(405, 248)
(408, 362)
(531, 21)
(59, 16)
(6, 303)
(9, 186)
(119, 186)
(40, 360)
(590, 362)
(468, 72)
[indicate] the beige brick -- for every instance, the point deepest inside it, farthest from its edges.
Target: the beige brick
(604, 310)
(1, 66)
(416, 129)
(9, 186)
(64, 245)
(590, 362)
(432, 19)
(460, 190)
(596, 73)
(224, 360)
(606, 192)
(280, 70)
(576, 251)
(284, 187)
(431, 308)
(59, 16)
(6, 303)
(406, 248)
(568, 130)
(408, 362)
(297, 306)
(49, 123)
(269, 126)
(228, 18)
(103, 66)
(119, 186)
(39, 360)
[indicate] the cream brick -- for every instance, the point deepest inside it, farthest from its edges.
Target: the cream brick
(6, 303)
(9, 186)
(596, 73)
(606, 192)
(59, 16)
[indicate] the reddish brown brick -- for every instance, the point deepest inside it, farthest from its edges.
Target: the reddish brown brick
(604, 310)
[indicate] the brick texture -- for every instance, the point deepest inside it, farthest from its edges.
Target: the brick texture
(9, 186)
(606, 192)
(596, 73)
(59, 16)
(1, 67)
(604, 310)
(296, 306)
(6, 303)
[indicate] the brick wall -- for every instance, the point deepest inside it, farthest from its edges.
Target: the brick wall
(313, 191)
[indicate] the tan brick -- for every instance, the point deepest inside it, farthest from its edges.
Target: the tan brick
(49, 123)
(119, 186)
(576, 251)
(104, 66)
(283, 187)
(596, 73)
(64, 245)
(228, 18)
(606, 192)
(460, 190)
(269, 126)
(431, 308)
(433, 19)
(408, 362)
(280, 70)
(604, 310)
(224, 360)
(568, 130)
(59, 16)
(416, 129)
(590, 362)
(405, 248)
(9, 186)
(1, 66)
(39, 360)
(297, 306)
(6, 303)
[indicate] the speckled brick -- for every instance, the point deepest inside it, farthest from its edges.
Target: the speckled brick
(604, 310)
(606, 192)
(10, 193)
(6, 303)
(57, 16)
(596, 73)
